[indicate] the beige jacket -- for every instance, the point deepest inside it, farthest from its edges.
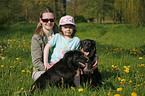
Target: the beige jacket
(37, 47)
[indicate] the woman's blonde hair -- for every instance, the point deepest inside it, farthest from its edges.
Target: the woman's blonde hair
(39, 25)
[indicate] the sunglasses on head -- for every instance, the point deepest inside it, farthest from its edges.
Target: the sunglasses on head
(46, 20)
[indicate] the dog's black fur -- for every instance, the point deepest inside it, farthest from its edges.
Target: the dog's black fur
(94, 77)
(64, 69)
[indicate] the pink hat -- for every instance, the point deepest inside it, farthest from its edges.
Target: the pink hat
(67, 20)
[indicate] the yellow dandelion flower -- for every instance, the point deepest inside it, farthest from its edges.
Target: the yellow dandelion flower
(17, 58)
(117, 95)
(119, 89)
(2, 65)
(124, 66)
(119, 78)
(0, 56)
(113, 66)
(130, 81)
(122, 80)
(28, 71)
(128, 66)
(133, 94)
(140, 58)
(109, 93)
(142, 65)
(23, 70)
(127, 70)
(73, 88)
(11, 66)
(80, 89)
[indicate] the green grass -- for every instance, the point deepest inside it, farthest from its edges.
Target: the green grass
(118, 46)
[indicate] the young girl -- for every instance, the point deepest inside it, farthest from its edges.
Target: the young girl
(62, 42)
(46, 28)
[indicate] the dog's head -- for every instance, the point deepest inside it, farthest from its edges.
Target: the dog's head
(88, 47)
(76, 59)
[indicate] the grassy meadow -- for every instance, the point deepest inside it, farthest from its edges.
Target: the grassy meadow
(120, 48)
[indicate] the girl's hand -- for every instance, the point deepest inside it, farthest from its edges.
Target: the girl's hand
(46, 52)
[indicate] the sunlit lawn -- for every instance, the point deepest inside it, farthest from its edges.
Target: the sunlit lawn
(120, 48)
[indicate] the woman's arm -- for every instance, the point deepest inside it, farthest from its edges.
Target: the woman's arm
(36, 53)
(46, 54)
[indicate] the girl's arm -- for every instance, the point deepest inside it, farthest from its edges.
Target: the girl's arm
(46, 54)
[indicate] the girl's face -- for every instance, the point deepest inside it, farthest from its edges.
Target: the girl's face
(67, 30)
(47, 20)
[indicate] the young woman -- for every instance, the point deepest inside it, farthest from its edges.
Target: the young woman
(62, 43)
(45, 30)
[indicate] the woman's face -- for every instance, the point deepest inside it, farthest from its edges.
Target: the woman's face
(47, 20)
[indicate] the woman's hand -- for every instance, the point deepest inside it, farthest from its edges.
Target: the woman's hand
(46, 67)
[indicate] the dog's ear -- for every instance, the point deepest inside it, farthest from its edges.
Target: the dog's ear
(81, 44)
(94, 42)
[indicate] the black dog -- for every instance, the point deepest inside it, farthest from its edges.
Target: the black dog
(64, 69)
(88, 47)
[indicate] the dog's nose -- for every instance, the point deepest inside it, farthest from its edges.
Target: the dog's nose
(87, 60)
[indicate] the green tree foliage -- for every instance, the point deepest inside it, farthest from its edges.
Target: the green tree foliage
(93, 9)
(9, 11)
(123, 11)
(130, 11)
(31, 9)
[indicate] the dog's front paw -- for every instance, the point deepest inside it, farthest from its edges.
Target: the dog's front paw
(86, 71)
